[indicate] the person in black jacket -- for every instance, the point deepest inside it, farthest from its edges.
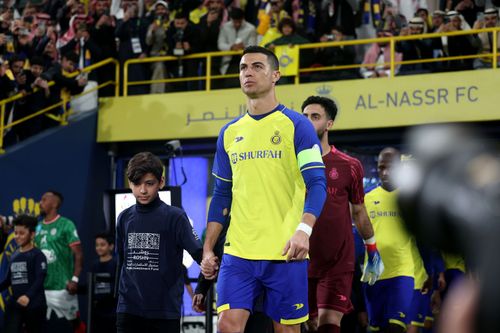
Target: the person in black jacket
(183, 38)
(150, 239)
(26, 275)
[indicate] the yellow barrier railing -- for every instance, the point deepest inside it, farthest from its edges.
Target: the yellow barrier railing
(63, 118)
(392, 64)
(208, 70)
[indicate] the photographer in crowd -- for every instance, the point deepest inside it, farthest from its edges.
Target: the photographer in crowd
(182, 40)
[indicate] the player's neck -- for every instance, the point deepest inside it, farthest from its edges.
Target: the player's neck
(325, 145)
(105, 258)
(262, 105)
(51, 216)
(27, 247)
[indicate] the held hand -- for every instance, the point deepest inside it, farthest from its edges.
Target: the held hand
(374, 268)
(72, 287)
(209, 265)
(297, 247)
(427, 286)
(199, 303)
(441, 282)
(23, 300)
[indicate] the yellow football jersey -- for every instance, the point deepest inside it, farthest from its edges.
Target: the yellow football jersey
(263, 158)
(453, 261)
(393, 241)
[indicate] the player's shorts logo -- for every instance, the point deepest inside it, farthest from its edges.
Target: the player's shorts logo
(234, 158)
(333, 174)
(276, 138)
(298, 306)
(342, 298)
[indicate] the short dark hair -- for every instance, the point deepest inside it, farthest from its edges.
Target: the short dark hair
(143, 163)
(106, 236)
(286, 21)
(71, 56)
(59, 196)
(237, 13)
(327, 103)
(15, 58)
(29, 222)
(271, 57)
(181, 15)
(37, 60)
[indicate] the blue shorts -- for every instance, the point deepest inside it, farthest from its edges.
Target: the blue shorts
(389, 301)
(283, 284)
(420, 308)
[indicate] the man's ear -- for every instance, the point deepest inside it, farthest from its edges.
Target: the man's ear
(276, 76)
(329, 124)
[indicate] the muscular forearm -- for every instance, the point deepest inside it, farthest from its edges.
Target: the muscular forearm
(362, 221)
(213, 231)
(78, 257)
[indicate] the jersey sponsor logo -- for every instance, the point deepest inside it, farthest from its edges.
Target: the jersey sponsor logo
(276, 138)
(50, 255)
(374, 214)
(256, 154)
(238, 139)
(342, 298)
(333, 174)
(298, 306)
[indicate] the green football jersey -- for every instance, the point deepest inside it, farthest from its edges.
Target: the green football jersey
(54, 240)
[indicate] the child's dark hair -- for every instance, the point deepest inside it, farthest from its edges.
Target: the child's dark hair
(106, 236)
(271, 57)
(29, 222)
(143, 163)
(328, 104)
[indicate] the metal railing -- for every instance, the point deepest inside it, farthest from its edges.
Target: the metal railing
(209, 56)
(63, 117)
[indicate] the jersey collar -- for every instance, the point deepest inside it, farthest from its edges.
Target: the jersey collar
(53, 220)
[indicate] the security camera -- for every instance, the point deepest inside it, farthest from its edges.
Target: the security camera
(172, 146)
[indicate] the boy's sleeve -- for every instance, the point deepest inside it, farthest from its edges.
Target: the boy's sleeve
(187, 238)
(40, 273)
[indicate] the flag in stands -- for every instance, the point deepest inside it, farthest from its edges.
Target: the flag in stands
(288, 58)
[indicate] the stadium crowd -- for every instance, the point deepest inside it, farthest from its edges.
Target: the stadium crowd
(43, 41)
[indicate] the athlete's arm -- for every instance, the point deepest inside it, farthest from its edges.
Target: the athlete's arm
(219, 208)
(72, 286)
(362, 221)
(311, 166)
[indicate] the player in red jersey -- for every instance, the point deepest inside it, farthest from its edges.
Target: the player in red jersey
(331, 250)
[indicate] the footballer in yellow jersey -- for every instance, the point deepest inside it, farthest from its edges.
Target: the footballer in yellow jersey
(388, 301)
(270, 177)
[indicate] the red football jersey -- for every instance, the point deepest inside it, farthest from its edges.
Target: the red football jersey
(332, 243)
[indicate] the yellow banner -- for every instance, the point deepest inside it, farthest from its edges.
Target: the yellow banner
(371, 103)
(288, 58)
